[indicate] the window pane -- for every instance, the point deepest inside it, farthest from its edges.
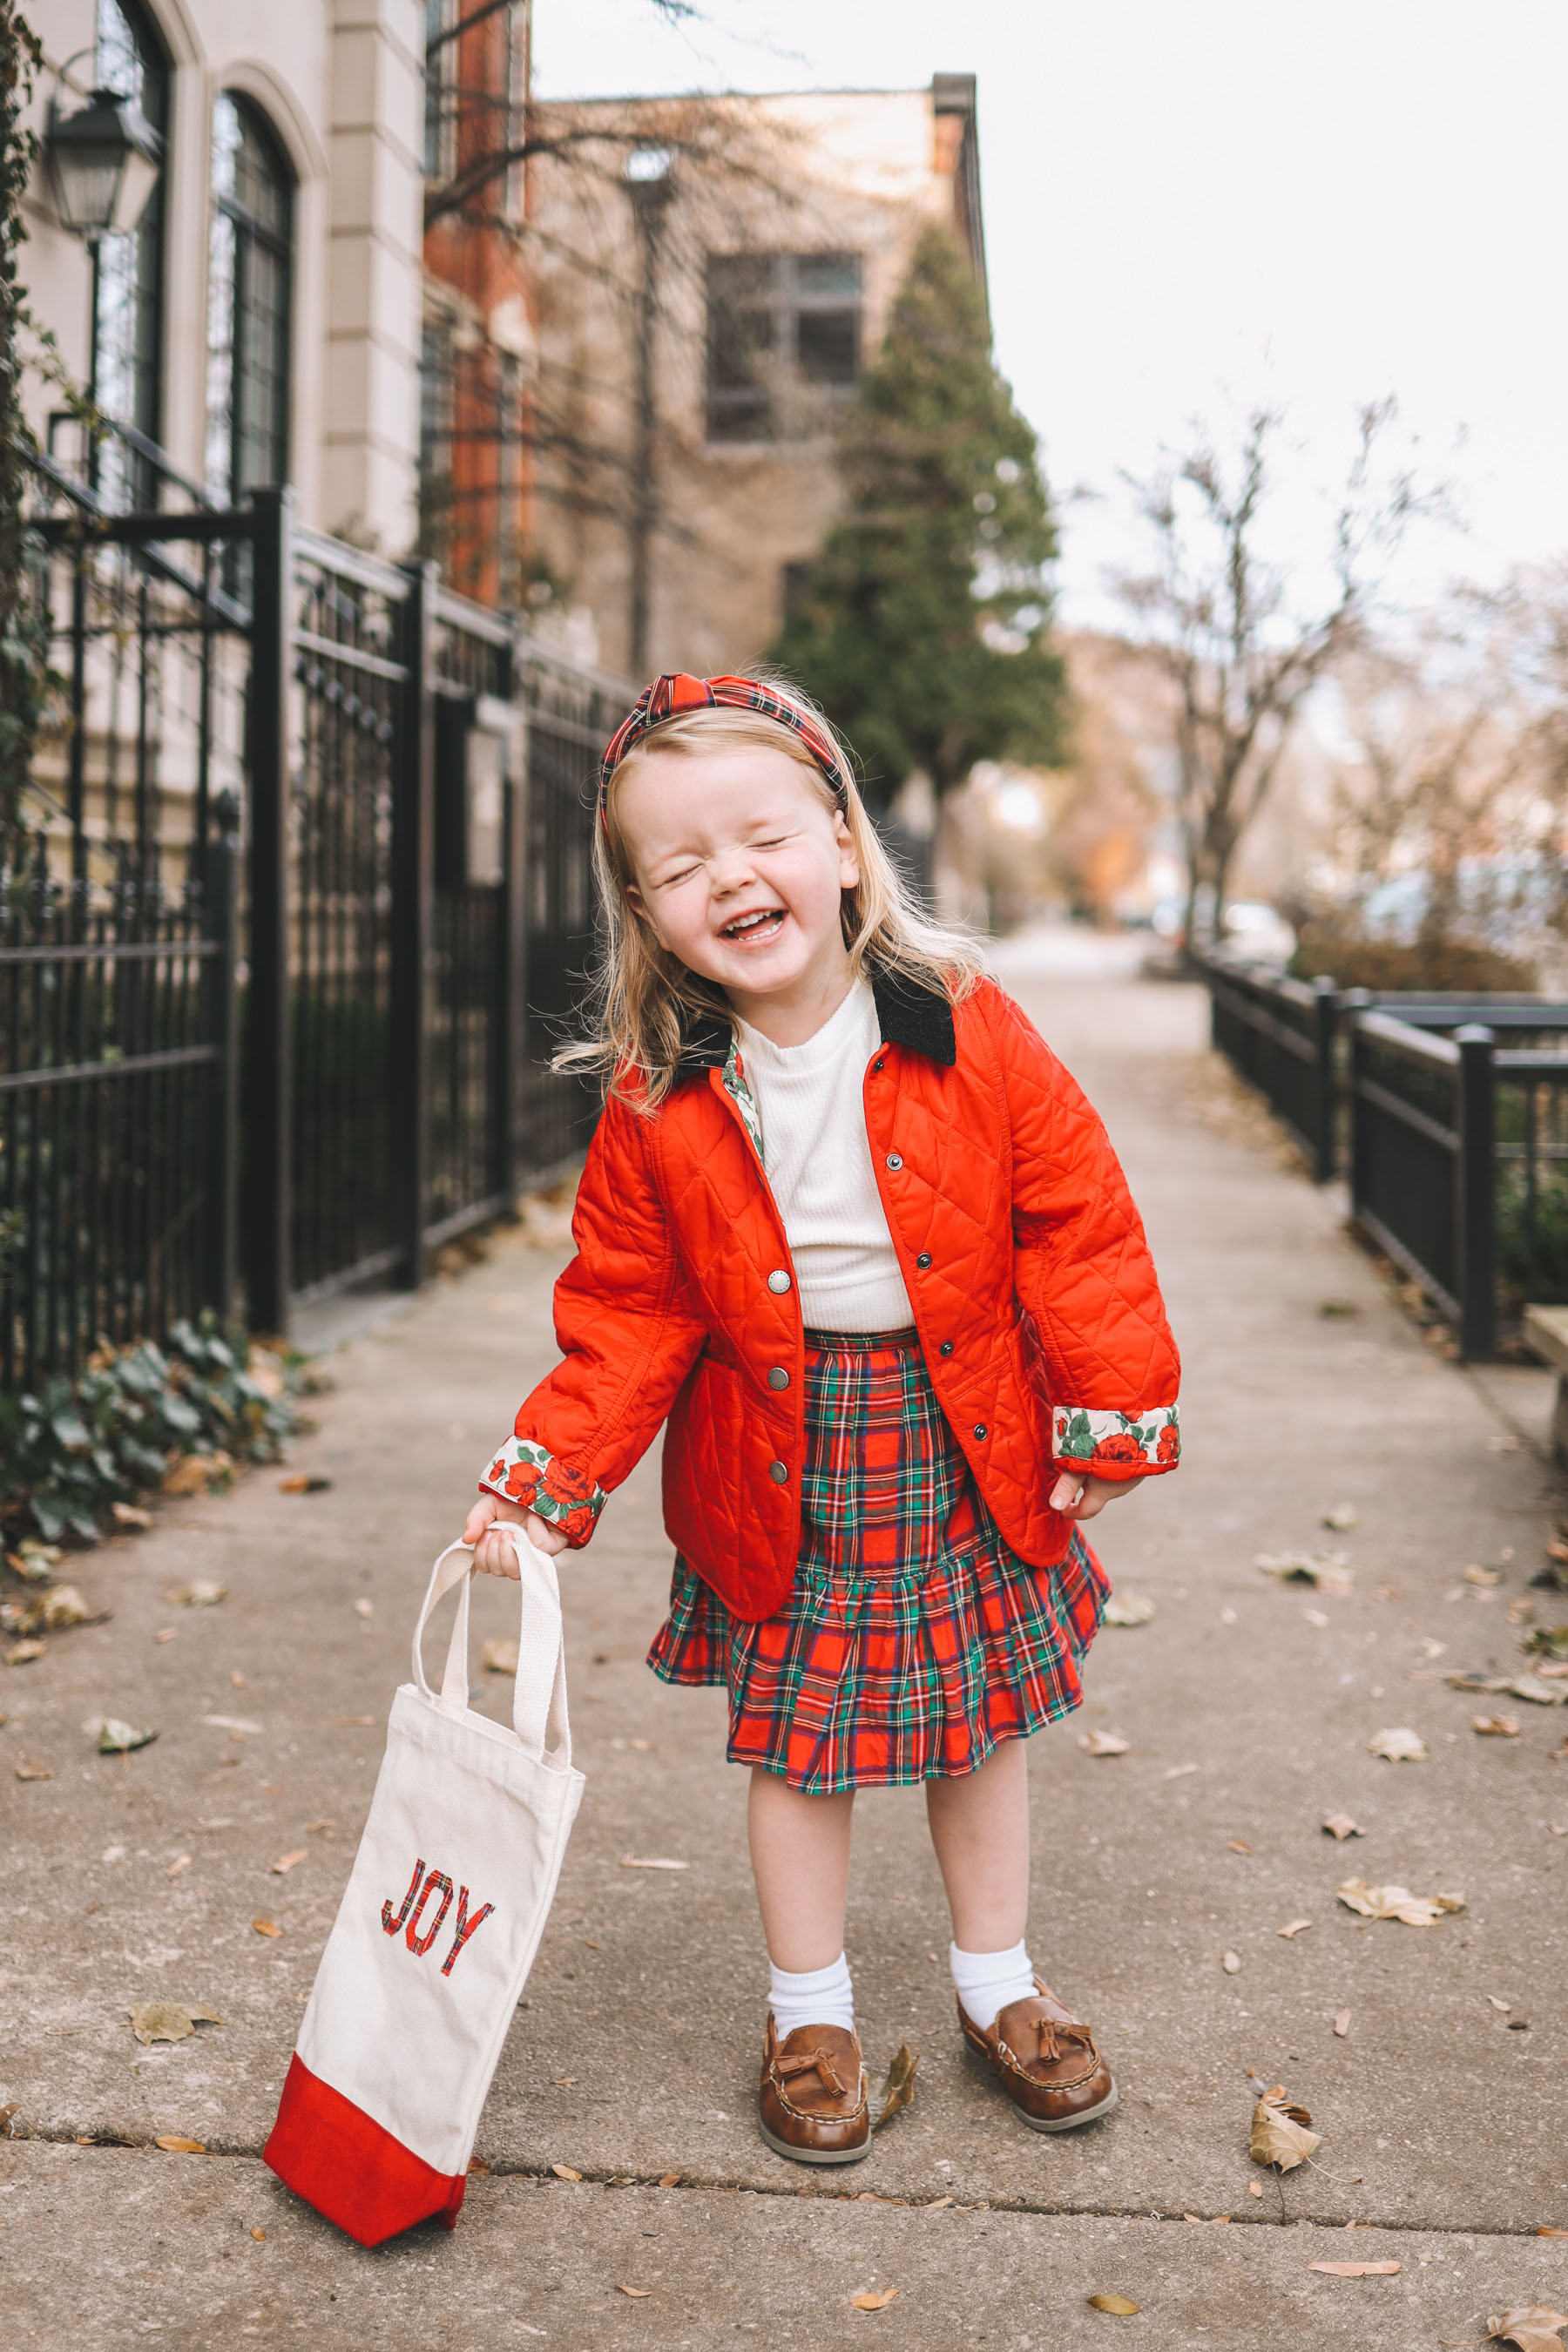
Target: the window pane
(830, 276)
(248, 303)
(126, 327)
(828, 345)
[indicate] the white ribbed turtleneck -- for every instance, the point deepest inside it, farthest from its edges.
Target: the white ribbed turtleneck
(818, 1162)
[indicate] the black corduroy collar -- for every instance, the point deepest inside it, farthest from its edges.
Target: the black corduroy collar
(913, 1012)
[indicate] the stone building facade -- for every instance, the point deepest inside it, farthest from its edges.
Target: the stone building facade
(710, 275)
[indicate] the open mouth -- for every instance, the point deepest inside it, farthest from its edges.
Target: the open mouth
(763, 923)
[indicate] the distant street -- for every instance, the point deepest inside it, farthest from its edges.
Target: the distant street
(625, 2197)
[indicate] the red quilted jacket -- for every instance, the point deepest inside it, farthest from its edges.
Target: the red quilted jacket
(1039, 1316)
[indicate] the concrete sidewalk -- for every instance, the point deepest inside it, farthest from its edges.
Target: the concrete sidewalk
(635, 2055)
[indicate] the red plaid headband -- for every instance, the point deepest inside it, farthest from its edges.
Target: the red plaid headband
(673, 695)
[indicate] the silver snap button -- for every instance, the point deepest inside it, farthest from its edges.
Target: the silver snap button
(778, 1378)
(980, 1429)
(778, 1280)
(778, 1472)
(894, 1160)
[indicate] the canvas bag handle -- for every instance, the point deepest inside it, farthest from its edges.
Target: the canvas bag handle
(539, 1692)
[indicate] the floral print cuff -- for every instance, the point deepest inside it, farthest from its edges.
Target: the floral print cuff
(1116, 1444)
(525, 1473)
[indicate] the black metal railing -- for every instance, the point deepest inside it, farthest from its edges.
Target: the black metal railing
(355, 982)
(1448, 1113)
(1278, 1035)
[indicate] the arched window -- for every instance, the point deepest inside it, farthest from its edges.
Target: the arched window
(248, 257)
(128, 271)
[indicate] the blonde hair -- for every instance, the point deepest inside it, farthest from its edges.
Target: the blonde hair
(641, 998)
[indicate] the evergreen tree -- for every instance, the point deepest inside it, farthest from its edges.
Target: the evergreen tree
(922, 626)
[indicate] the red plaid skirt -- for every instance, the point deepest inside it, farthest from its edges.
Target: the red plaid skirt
(914, 1641)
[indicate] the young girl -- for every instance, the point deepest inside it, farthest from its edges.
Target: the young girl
(850, 1227)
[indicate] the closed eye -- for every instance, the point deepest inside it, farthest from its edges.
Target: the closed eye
(671, 881)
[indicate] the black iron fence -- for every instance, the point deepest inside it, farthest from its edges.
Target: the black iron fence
(1449, 1115)
(286, 928)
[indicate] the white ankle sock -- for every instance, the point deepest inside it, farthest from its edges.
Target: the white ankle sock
(812, 1997)
(986, 1981)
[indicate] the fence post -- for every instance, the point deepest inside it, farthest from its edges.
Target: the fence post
(1475, 1206)
(511, 1042)
(266, 1173)
(220, 903)
(1353, 1002)
(413, 925)
(1326, 1012)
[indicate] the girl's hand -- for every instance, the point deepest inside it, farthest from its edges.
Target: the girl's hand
(494, 1554)
(1078, 1498)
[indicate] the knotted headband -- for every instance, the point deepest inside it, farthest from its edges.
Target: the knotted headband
(675, 694)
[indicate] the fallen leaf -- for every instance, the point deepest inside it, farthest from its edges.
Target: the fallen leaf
(1544, 2232)
(1360, 2270)
(1331, 1571)
(180, 1862)
(287, 1861)
(35, 1560)
(1505, 2007)
(126, 1515)
(245, 1725)
(1341, 1517)
(874, 2302)
(266, 1928)
(1228, 1616)
(177, 2147)
(1231, 1963)
(651, 1862)
(671, 2179)
(28, 1768)
(1103, 1743)
(192, 1473)
(1431, 1648)
(303, 1484)
(1401, 1747)
(1237, 1845)
(116, 1738)
(899, 2090)
(1343, 2023)
(51, 1612)
(1207, 2221)
(260, 2236)
(167, 1633)
(1396, 1902)
(498, 1656)
(1314, 1617)
(939, 2203)
(22, 1654)
(1533, 2328)
(200, 1593)
(1496, 1727)
(1296, 1927)
(1255, 2189)
(636, 2293)
(1279, 2133)
(1339, 1826)
(169, 2021)
(363, 1608)
(1123, 2306)
(1548, 1642)
(1129, 1608)
(1483, 1576)
(564, 2172)
(1178, 1771)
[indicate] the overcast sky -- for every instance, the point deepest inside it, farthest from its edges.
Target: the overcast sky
(1193, 204)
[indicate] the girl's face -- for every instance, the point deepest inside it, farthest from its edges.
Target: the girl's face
(738, 863)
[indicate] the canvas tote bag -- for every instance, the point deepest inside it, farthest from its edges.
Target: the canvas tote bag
(436, 1934)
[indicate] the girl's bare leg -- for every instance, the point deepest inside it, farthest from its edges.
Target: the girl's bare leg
(800, 1858)
(979, 1828)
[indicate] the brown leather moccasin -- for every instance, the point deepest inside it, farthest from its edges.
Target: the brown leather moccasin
(1045, 2061)
(812, 2104)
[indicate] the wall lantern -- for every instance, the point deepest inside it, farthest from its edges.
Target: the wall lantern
(103, 163)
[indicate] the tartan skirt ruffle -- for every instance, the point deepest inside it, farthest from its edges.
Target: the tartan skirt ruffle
(914, 1641)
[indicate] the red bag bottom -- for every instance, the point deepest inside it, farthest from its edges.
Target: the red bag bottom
(351, 2169)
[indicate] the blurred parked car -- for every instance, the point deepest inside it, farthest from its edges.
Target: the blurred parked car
(1257, 933)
